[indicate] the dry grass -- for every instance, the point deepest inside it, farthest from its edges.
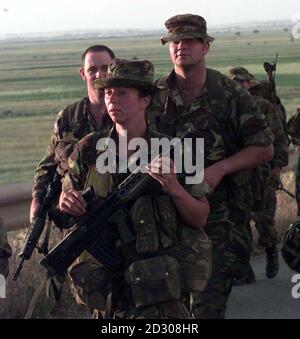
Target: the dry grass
(20, 293)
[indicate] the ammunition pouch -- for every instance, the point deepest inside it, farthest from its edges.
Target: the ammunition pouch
(89, 282)
(154, 280)
(160, 230)
(142, 217)
(154, 220)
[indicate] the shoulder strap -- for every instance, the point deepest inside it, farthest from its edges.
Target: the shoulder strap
(224, 109)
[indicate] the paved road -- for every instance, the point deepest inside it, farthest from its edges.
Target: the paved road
(267, 298)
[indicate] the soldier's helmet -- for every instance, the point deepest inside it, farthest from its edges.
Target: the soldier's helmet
(129, 73)
(291, 247)
(240, 73)
(186, 26)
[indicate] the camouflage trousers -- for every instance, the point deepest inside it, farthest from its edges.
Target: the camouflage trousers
(91, 286)
(231, 250)
(265, 219)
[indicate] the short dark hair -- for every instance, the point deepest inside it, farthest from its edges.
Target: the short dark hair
(97, 48)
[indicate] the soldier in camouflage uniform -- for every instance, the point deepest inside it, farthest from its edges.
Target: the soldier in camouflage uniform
(236, 139)
(5, 251)
(264, 215)
(76, 120)
(293, 128)
(165, 252)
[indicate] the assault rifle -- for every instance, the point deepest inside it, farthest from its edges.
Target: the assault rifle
(270, 68)
(86, 233)
(38, 224)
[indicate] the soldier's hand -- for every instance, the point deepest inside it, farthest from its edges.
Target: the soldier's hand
(72, 202)
(34, 208)
(163, 170)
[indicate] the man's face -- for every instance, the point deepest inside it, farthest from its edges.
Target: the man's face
(125, 104)
(187, 52)
(95, 66)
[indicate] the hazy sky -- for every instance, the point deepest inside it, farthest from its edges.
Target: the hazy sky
(20, 16)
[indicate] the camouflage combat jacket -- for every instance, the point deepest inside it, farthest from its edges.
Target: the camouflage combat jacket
(72, 124)
(228, 119)
(152, 217)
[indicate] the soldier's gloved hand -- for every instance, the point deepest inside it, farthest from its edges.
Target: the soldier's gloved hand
(72, 202)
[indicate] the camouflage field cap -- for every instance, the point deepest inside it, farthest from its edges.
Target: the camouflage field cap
(240, 74)
(186, 26)
(129, 73)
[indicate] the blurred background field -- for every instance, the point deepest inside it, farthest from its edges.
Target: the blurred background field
(37, 79)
